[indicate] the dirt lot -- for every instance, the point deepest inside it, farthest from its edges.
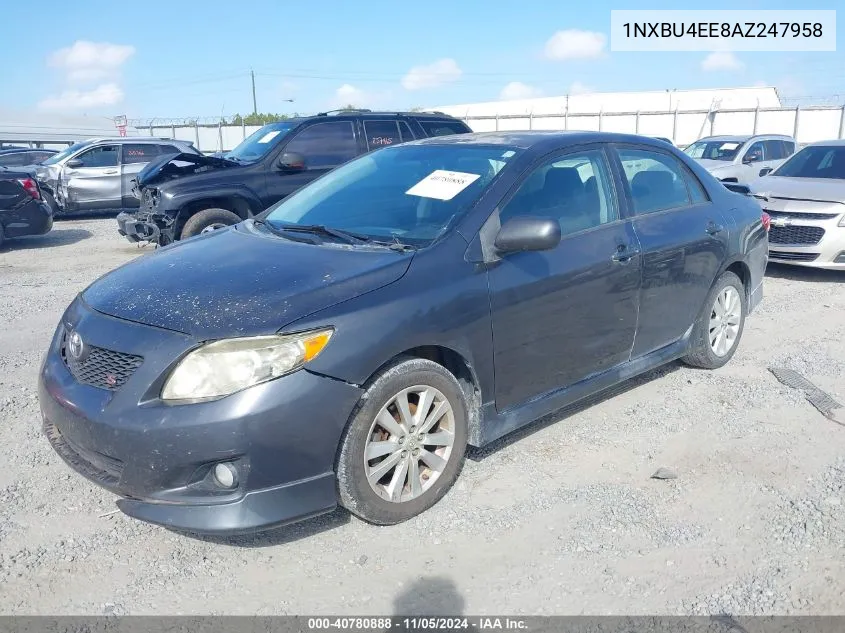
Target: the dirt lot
(563, 519)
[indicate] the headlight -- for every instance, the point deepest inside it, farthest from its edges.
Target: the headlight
(224, 367)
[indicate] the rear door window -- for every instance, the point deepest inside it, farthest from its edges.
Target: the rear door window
(381, 133)
(169, 149)
(774, 149)
(140, 153)
(656, 180)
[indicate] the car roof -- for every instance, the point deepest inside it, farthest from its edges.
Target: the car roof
(135, 139)
(539, 139)
(420, 114)
(831, 143)
(17, 150)
(744, 137)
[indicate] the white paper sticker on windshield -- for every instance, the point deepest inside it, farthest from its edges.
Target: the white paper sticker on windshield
(728, 145)
(269, 136)
(442, 185)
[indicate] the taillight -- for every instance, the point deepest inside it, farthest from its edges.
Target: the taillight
(31, 187)
(767, 221)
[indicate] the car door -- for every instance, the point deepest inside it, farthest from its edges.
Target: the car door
(134, 157)
(323, 146)
(562, 315)
(683, 237)
(91, 179)
(774, 153)
(752, 160)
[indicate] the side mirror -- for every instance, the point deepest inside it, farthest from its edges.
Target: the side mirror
(748, 159)
(291, 161)
(765, 170)
(738, 188)
(74, 164)
(528, 234)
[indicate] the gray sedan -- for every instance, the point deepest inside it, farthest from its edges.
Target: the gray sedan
(805, 198)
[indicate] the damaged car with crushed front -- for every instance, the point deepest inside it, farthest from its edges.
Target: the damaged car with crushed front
(345, 346)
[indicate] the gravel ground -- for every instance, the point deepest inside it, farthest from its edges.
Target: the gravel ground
(560, 519)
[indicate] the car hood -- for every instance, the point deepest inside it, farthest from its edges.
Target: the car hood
(234, 282)
(177, 165)
(813, 189)
(710, 164)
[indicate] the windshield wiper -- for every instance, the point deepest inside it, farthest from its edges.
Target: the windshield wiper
(319, 229)
(279, 232)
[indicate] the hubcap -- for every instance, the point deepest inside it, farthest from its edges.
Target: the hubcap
(724, 321)
(213, 227)
(409, 443)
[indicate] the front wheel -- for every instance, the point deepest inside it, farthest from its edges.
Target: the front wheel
(719, 327)
(208, 220)
(405, 443)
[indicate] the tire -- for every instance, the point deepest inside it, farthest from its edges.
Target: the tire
(702, 353)
(51, 202)
(202, 220)
(355, 491)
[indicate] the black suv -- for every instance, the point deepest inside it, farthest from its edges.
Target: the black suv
(184, 195)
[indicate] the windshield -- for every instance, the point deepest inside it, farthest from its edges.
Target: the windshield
(714, 150)
(55, 158)
(257, 144)
(815, 162)
(410, 193)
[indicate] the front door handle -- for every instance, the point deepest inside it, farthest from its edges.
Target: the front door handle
(110, 172)
(714, 228)
(624, 254)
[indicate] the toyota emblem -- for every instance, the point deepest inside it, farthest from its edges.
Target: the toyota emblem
(75, 346)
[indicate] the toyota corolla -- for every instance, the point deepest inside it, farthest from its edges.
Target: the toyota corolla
(345, 346)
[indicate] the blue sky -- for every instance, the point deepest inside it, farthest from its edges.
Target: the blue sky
(186, 59)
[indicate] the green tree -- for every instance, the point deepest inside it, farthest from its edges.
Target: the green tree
(260, 118)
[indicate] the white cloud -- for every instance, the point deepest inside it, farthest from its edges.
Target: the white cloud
(519, 90)
(103, 95)
(721, 60)
(578, 88)
(432, 75)
(575, 44)
(86, 61)
(348, 94)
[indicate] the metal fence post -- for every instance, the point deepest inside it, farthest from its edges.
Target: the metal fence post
(842, 123)
(566, 118)
(795, 127)
(197, 134)
(756, 116)
(220, 134)
(637, 123)
(601, 117)
(497, 121)
(531, 120)
(675, 125)
(243, 128)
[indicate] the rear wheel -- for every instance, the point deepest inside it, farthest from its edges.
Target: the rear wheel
(208, 220)
(719, 327)
(405, 444)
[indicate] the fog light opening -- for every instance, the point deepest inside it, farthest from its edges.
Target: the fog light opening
(226, 475)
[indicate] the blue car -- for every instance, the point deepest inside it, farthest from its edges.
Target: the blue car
(347, 345)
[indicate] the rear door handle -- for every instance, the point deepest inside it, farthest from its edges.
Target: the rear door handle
(714, 228)
(624, 254)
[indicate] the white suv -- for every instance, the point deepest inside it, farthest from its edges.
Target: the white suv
(741, 159)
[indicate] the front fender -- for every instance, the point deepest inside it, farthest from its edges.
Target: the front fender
(243, 197)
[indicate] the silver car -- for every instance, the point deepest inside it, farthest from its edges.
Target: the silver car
(97, 174)
(741, 159)
(805, 199)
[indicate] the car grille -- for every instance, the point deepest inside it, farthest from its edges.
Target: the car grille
(793, 256)
(795, 235)
(103, 368)
(800, 215)
(96, 466)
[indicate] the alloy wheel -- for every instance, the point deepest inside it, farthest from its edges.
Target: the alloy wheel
(725, 319)
(409, 443)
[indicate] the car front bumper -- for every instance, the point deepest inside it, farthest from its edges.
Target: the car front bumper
(792, 248)
(137, 227)
(281, 436)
